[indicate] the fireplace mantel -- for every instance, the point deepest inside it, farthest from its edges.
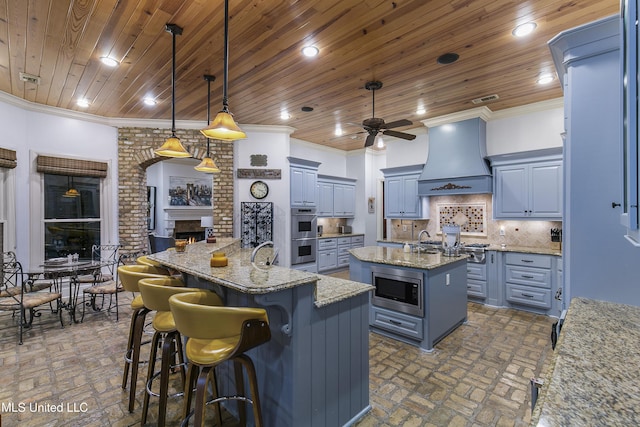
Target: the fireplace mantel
(187, 213)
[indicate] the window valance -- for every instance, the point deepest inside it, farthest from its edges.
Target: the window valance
(7, 158)
(71, 167)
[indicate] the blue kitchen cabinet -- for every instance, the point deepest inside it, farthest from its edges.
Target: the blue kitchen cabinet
(528, 189)
(599, 263)
(401, 198)
(304, 177)
(325, 199)
(336, 197)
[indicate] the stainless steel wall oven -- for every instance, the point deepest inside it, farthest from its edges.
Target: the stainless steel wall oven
(397, 289)
(304, 235)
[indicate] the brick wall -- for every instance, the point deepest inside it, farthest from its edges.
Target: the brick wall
(136, 153)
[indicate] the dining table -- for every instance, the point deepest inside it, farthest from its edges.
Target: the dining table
(61, 271)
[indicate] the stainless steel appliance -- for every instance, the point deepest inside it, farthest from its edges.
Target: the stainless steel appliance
(477, 252)
(345, 229)
(397, 289)
(304, 234)
(304, 223)
(451, 240)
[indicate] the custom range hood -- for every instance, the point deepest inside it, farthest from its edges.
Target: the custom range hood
(456, 163)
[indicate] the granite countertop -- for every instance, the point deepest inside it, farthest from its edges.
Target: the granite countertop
(241, 275)
(396, 256)
(334, 235)
(495, 247)
(594, 377)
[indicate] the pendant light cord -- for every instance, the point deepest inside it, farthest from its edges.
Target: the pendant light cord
(174, 30)
(209, 79)
(225, 99)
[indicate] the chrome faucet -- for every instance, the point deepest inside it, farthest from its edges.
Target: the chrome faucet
(420, 235)
(262, 245)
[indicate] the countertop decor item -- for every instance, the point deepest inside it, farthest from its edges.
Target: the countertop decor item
(172, 147)
(223, 126)
(219, 259)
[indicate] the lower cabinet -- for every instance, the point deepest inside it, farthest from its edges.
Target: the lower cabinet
(528, 279)
(477, 280)
(333, 252)
(396, 322)
(310, 267)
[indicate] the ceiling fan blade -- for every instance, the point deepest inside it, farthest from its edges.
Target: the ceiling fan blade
(370, 140)
(397, 134)
(398, 123)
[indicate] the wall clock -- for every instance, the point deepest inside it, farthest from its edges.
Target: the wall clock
(259, 189)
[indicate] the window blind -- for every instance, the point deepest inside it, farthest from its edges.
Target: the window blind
(71, 167)
(7, 158)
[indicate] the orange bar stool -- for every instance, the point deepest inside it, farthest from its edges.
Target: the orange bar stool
(216, 334)
(155, 293)
(129, 276)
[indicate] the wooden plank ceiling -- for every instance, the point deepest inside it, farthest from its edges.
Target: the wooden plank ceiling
(396, 42)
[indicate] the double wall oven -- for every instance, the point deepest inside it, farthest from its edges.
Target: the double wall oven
(304, 235)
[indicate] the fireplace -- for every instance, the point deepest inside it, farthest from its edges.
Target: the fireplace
(189, 229)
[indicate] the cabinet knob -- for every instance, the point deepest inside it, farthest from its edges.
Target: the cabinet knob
(614, 205)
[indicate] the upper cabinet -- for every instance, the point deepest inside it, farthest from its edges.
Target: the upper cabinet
(401, 198)
(336, 197)
(528, 185)
(304, 178)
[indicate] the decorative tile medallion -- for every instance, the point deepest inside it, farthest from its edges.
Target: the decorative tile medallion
(471, 217)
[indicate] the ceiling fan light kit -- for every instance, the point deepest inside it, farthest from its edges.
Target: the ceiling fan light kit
(223, 126)
(172, 147)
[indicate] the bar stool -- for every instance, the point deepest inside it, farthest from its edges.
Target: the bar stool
(129, 276)
(216, 334)
(156, 293)
(145, 260)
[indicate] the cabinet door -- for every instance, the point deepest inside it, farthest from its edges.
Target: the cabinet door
(327, 260)
(546, 190)
(297, 187)
(325, 199)
(411, 208)
(338, 200)
(348, 200)
(394, 197)
(309, 182)
(511, 198)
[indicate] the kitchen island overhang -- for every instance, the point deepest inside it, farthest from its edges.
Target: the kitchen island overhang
(315, 369)
(440, 303)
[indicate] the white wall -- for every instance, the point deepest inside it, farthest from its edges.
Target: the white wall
(403, 153)
(274, 143)
(532, 131)
(33, 133)
(332, 161)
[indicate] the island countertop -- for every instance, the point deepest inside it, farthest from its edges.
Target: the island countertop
(494, 247)
(243, 276)
(593, 378)
(395, 256)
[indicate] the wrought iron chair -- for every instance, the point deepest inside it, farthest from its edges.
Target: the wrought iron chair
(104, 281)
(105, 253)
(18, 294)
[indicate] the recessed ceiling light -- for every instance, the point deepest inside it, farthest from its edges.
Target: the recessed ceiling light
(448, 58)
(285, 116)
(82, 102)
(524, 29)
(310, 51)
(338, 131)
(420, 111)
(544, 79)
(149, 101)
(109, 61)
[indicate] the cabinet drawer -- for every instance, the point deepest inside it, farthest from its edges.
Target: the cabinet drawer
(327, 244)
(343, 261)
(476, 271)
(344, 241)
(528, 260)
(525, 295)
(538, 277)
(357, 240)
(398, 323)
(344, 250)
(477, 288)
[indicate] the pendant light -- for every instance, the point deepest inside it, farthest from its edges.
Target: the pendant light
(223, 126)
(207, 165)
(71, 192)
(172, 147)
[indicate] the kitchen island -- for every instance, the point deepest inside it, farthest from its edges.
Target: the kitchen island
(436, 284)
(593, 377)
(315, 369)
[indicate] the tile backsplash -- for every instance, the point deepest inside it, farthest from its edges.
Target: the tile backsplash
(517, 233)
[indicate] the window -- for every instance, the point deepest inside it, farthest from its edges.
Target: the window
(72, 215)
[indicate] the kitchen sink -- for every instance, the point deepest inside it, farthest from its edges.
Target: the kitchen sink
(426, 249)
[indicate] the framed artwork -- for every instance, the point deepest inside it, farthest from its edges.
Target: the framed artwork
(471, 217)
(188, 191)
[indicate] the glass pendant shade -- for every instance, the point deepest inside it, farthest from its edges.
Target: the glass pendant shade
(207, 165)
(223, 127)
(172, 147)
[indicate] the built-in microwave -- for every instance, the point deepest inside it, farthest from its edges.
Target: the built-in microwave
(398, 289)
(304, 223)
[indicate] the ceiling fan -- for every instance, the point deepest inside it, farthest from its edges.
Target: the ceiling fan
(374, 125)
